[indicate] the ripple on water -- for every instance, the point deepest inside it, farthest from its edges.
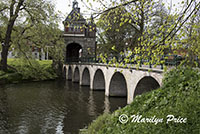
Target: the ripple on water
(54, 107)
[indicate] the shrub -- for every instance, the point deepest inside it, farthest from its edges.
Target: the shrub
(28, 70)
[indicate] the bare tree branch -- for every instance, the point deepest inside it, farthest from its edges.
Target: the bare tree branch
(12, 7)
(120, 5)
(4, 8)
(195, 10)
(180, 18)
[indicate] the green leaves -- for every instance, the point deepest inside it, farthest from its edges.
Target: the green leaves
(40, 70)
(36, 24)
(152, 29)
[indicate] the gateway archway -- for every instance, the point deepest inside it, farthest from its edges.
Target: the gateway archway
(73, 52)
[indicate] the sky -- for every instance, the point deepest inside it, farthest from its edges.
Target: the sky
(65, 6)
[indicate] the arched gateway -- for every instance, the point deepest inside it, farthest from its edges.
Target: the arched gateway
(73, 52)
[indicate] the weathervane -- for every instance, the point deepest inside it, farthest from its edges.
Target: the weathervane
(75, 4)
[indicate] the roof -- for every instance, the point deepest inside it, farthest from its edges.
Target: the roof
(75, 14)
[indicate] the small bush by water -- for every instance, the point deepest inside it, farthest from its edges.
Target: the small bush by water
(38, 70)
(179, 97)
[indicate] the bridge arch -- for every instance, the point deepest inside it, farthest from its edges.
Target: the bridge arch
(99, 80)
(85, 77)
(118, 85)
(76, 75)
(146, 84)
(69, 73)
(72, 52)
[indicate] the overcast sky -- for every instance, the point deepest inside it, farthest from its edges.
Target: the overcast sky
(65, 6)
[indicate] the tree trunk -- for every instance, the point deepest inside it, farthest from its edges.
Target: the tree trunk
(6, 45)
(4, 55)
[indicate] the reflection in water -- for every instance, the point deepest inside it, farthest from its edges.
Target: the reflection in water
(54, 107)
(91, 105)
(106, 105)
(3, 112)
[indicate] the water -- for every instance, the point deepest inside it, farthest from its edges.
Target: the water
(52, 107)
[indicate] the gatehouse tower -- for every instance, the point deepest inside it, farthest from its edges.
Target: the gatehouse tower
(79, 35)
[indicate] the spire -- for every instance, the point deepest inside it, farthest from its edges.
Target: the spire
(75, 4)
(92, 19)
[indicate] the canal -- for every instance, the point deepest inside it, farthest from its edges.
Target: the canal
(51, 107)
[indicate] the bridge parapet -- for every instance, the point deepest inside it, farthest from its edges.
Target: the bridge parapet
(169, 60)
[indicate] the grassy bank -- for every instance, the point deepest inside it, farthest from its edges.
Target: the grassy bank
(34, 70)
(179, 96)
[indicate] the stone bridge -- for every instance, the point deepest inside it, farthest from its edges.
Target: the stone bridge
(116, 82)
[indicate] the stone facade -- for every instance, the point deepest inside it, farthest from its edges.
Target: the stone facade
(79, 35)
(87, 44)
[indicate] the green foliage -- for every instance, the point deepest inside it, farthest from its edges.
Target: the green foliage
(179, 96)
(156, 30)
(2, 73)
(113, 32)
(38, 70)
(35, 25)
(97, 124)
(35, 72)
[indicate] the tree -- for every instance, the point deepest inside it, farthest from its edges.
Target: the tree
(24, 18)
(130, 22)
(40, 36)
(111, 34)
(191, 40)
(167, 37)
